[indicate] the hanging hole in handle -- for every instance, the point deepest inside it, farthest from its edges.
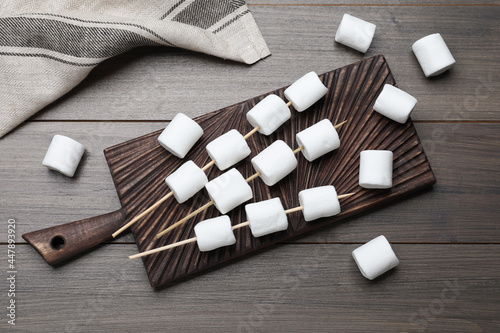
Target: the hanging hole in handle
(57, 242)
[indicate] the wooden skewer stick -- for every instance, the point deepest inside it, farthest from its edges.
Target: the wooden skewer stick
(174, 245)
(340, 125)
(289, 103)
(252, 177)
(163, 248)
(241, 225)
(208, 165)
(293, 210)
(199, 210)
(343, 196)
(181, 221)
(138, 217)
(249, 134)
(234, 227)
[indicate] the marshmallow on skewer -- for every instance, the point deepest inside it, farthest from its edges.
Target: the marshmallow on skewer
(214, 233)
(64, 155)
(433, 55)
(355, 33)
(305, 91)
(319, 202)
(229, 190)
(266, 217)
(394, 103)
(186, 181)
(275, 162)
(228, 149)
(180, 135)
(375, 257)
(272, 164)
(375, 169)
(269, 114)
(318, 140)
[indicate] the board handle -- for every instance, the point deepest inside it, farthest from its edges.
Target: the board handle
(63, 242)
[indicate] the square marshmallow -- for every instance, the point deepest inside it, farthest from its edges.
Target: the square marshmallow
(269, 114)
(266, 217)
(229, 190)
(375, 257)
(275, 162)
(186, 181)
(319, 202)
(375, 169)
(214, 233)
(64, 155)
(318, 140)
(180, 135)
(305, 91)
(433, 55)
(355, 33)
(228, 149)
(394, 103)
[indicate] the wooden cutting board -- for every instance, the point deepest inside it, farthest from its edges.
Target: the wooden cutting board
(140, 166)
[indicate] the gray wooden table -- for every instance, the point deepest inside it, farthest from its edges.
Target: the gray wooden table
(447, 239)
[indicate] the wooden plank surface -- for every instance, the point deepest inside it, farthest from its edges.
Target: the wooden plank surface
(311, 284)
(466, 194)
(292, 288)
(153, 83)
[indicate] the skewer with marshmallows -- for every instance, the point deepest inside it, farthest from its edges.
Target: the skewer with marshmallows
(264, 218)
(230, 148)
(231, 189)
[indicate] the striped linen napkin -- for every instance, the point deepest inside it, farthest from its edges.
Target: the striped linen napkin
(47, 47)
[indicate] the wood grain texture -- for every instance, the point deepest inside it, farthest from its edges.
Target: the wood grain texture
(466, 195)
(291, 288)
(155, 83)
(64, 242)
(104, 291)
(139, 167)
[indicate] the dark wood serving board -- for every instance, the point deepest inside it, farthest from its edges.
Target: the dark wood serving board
(140, 166)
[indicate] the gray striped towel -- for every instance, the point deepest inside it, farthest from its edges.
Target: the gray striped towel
(47, 47)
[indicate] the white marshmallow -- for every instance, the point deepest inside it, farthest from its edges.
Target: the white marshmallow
(305, 91)
(64, 155)
(228, 149)
(269, 114)
(394, 103)
(266, 217)
(375, 257)
(375, 169)
(229, 190)
(355, 33)
(214, 233)
(318, 140)
(319, 202)
(180, 135)
(433, 55)
(275, 162)
(186, 181)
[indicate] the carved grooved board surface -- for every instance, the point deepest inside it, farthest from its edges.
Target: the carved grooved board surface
(140, 166)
